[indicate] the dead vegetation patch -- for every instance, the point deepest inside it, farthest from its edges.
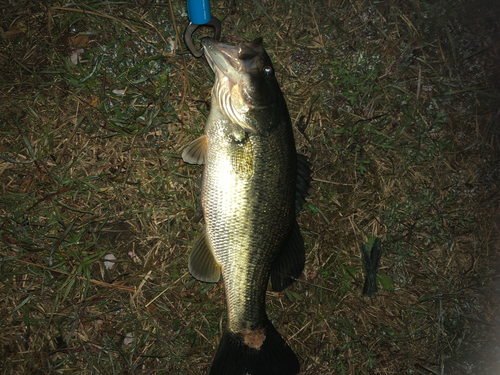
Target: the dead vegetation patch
(395, 103)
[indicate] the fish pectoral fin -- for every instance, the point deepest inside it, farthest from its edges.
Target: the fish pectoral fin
(290, 264)
(248, 128)
(303, 182)
(202, 264)
(196, 151)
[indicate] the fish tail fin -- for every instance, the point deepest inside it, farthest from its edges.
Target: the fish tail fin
(259, 352)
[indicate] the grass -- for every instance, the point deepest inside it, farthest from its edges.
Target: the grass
(396, 106)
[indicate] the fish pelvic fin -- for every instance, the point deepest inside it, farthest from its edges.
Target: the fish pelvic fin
(202, 264)
(303, 182)
(196, 151)
(290, 263)
(259, 352)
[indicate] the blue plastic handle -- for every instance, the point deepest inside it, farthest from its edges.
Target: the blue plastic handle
(199, 11)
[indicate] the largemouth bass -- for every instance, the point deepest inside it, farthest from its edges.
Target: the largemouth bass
(253, 186)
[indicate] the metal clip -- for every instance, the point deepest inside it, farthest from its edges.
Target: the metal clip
(188, 34)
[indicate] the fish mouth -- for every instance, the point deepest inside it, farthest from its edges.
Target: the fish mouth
(245, 88)
(237, 88)
(232, 61)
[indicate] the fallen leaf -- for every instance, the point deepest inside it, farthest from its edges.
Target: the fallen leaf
(129, 339)
(111, 258)
(93, 101)
(74, 58)
(79, 41)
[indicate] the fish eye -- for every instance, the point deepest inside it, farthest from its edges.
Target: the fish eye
(268, 71)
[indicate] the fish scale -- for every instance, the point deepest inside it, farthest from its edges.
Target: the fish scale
(250, 188)
(233, 202)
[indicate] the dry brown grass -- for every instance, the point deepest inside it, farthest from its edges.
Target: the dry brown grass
(395, 104)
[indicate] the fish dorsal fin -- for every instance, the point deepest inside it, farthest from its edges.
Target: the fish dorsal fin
(196, 151)
(303, 182)
(290, 264)
(291, 261)
(202, 264)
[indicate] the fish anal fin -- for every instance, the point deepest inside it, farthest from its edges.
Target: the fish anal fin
(272, 357)
(290, 263)
(202, 264)
(303, 182)
(196, 151)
